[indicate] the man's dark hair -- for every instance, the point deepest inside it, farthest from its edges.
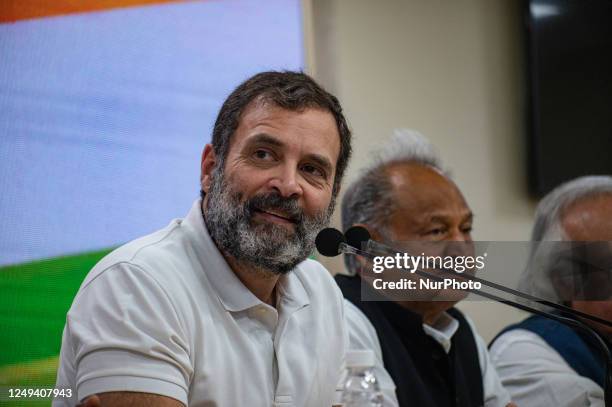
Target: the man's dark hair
(294, 91)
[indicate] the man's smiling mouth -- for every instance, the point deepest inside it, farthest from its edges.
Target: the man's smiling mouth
(276, 216)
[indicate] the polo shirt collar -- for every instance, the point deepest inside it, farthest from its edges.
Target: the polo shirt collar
(290, 289)
(232, 293)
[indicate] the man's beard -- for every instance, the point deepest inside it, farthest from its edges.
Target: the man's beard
(267, 246)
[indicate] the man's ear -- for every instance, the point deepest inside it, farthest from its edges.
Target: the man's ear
(209, 159)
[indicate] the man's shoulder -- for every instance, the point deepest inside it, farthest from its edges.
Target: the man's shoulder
(514, 338)
(147, 253)
(155, 271)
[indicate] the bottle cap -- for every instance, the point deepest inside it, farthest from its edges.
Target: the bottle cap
(360, 358)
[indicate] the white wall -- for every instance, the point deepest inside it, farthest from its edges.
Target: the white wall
(452, 69)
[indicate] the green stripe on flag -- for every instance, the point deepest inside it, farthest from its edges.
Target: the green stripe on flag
(34, 300)
(35, 374)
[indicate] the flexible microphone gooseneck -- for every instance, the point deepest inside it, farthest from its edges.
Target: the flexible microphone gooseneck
(331, 242)
(334, 243)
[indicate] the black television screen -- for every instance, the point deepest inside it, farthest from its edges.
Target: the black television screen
(569, 45)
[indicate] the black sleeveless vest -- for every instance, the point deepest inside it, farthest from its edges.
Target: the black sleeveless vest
(424, 374)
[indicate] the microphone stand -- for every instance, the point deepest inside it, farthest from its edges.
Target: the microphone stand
(389, 250)
(386, 250)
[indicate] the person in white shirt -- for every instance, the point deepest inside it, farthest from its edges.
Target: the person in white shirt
(428, 352)
(544, 362)
(222, 308)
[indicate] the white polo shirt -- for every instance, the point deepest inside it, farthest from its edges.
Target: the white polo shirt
(165, 314)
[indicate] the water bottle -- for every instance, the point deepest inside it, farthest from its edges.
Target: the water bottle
(361, 388)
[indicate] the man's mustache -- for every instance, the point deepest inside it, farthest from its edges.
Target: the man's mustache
(273, 202)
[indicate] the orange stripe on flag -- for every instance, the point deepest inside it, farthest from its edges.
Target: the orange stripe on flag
(14, 10)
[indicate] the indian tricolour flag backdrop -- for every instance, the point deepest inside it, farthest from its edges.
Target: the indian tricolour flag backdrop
(105, 106)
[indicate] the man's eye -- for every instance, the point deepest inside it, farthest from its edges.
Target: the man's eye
(467, 229)
(263, 155)
(312, 170)
(436, 231)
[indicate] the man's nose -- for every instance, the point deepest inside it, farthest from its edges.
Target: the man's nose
(458, 235)
(459, 243)
(286, 182)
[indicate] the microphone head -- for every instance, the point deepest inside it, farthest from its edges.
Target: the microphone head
(328, 242)
(356, 235)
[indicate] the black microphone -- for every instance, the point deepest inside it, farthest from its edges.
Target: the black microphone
(358, 236)
(328, 242)
(355, 238)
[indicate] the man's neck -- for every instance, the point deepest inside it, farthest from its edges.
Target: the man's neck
(261, 283)
(430, 311)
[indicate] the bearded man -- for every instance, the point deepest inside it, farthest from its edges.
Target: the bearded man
(222, 308)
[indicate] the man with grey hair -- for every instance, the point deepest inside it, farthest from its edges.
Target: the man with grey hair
(543, 362)
(429, 349)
